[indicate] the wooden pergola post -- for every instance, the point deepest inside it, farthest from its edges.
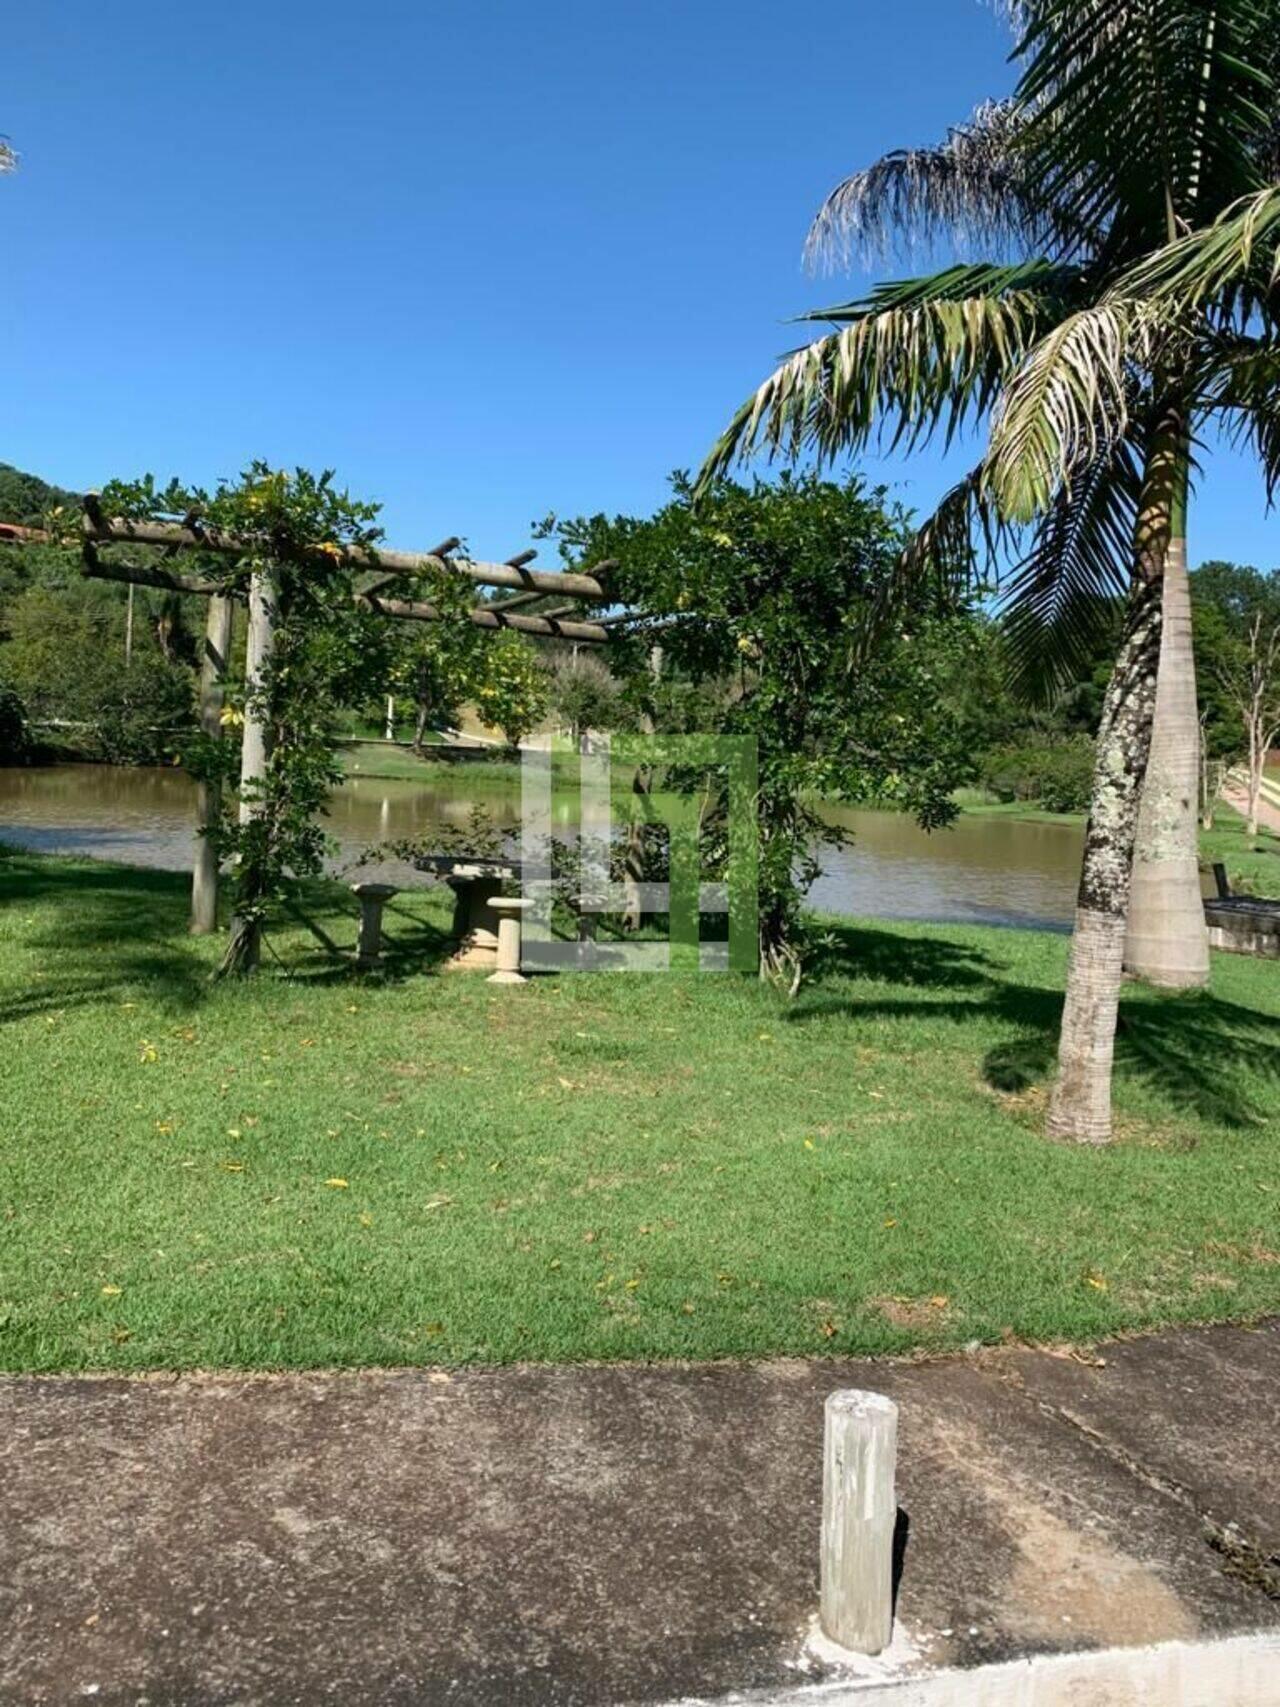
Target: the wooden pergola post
(213, 674)
(245, 946)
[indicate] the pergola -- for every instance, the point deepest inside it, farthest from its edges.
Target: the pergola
(382, 583)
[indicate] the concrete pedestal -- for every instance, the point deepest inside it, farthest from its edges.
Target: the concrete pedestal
(508, 908)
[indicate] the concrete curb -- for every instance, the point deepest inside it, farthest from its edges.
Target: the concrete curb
(1243, 1671)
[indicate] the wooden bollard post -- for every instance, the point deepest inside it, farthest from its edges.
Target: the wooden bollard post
(372, 897)
(859, 1515)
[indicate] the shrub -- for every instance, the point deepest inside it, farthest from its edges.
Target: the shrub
(15, 744)
(142, 716)
(1054, 774)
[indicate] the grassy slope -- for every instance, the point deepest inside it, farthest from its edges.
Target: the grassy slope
(452, 766)
(594, 1167)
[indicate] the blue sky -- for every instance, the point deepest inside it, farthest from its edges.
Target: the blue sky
(486, 259)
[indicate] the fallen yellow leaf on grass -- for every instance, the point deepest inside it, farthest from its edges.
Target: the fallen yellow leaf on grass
(1097, 1281)
(809, 1144)
(891, 1222)
(234, 1167)
(147, 1052)
(111, 1291)
(339, 1184)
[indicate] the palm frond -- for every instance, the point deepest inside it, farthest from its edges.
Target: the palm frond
(1056, 283)
(947, 551)
(1058, 606)
(1240, 383)
(966, 189)
(1145, 116)
(8, 156)
(1068, 402)
(941, 561)
(898, 375)
(1231, 267)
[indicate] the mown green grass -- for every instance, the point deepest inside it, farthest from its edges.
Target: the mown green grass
(473, 768)
(607, 1166)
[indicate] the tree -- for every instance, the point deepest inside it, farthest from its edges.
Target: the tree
(762, 593)
(1239, 610)
(1133, 122)
(15, 744)
(435, 667)
(584, 694)
(28, 500)
(63, 655)
(512, 687)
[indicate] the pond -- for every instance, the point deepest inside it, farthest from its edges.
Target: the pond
(993, 870)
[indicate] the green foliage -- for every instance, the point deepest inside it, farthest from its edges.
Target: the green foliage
(15, 743)
(585, 695)
(1227, 600)
(767, 592)
(27, 500)
(298, 530)
(1056, 774)
(511, 688)
(148, 716)
(64, 657)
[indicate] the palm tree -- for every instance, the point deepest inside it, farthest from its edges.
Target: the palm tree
(1133, 122)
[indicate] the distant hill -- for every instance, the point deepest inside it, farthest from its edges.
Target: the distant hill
(25, 498)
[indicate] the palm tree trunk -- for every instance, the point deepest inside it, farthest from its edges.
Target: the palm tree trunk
(1080, 1103)
(1167, 941)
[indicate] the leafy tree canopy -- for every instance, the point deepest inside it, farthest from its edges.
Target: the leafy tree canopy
(763, 599)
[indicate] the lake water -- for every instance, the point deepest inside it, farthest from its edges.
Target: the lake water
(989, 870)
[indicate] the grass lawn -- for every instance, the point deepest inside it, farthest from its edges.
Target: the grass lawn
(317, 1170)
(470, 766)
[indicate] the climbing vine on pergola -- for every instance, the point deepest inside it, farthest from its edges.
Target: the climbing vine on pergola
(307, 562)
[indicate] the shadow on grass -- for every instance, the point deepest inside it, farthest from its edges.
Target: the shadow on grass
(1204, 1055)
(121, 928)
(114, 929)
(411, 944)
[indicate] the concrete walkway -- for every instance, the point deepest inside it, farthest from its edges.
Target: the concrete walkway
(1237, 797)
(616, 1535)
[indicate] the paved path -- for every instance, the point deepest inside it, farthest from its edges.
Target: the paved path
(530, 1537)
(1238, 798)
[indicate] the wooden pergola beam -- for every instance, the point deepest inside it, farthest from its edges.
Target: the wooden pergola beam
(413, 610)
(404, 610)
(100, 527)
(143, 575)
